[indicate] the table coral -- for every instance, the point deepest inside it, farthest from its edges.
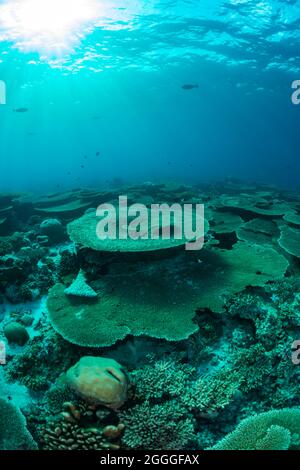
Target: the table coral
(273, 430)
(14, 434)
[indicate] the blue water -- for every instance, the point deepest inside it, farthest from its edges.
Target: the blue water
(112, 85)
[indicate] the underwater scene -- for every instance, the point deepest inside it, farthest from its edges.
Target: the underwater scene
(149, 225)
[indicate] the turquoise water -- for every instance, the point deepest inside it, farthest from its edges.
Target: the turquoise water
(112, 83)
(139, 344)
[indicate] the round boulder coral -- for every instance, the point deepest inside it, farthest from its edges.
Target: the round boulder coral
(99, 380)
(53, 229)
(16, 333)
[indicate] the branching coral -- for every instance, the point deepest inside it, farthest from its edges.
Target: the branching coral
(252, 365)
(209, 394)
(162, 378)
(162, 426)
(42, 360)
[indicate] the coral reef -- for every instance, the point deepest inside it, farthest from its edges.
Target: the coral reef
(53, 230)
(66, 432)
(157, 427)
(153, 300)
(44, 358)
(80, 288)
(84, 232)
(16, 333)
(206, 337)
(14, 434)
(274, 430)
(99, 380)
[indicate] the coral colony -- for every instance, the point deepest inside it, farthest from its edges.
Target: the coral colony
(140, 344)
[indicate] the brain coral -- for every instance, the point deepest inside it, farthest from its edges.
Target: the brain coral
(161, 299)
(99, 380)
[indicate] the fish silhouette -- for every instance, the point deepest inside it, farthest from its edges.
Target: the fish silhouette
(21, 110)
(189, 86)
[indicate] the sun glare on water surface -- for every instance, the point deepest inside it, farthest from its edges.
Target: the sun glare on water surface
(48, 26)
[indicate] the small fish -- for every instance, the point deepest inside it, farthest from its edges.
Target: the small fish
(97, 154)
(189, 86)
(81, 166)
(20, 110)
(85, 157)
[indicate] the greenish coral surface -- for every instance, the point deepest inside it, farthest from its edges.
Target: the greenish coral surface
(274, 430)
(157, 427)
(14, 434)
(84, 232)
(205, 337)
(80, 288)
(161, 300)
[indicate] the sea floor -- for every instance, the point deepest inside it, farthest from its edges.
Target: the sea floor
(155, 349)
